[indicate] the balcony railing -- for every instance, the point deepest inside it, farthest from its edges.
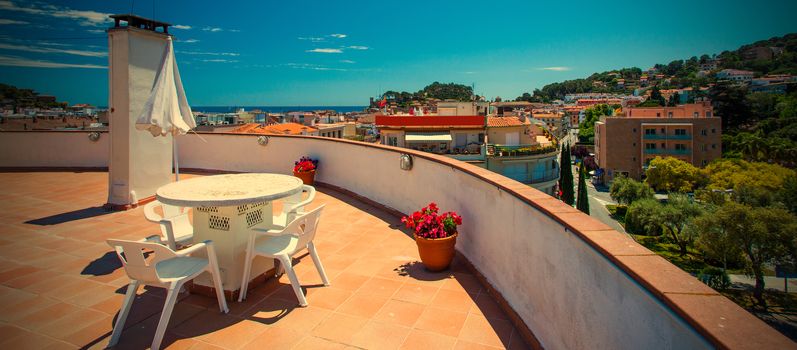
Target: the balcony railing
(668, 151)
(666, 137)
(497, 150)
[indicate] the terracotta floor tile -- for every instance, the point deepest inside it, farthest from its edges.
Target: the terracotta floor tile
(349, 281)
(466, 345)
(376, 335)
(302, 318)
(235, 335)
(326, 297)
(454, 300)
(463, 282)
(400, 312)
(381, 287)
(362, 304)
(316, 343)
(276, 338)
(487, 307)
(423, 340)
(416, 294)
(441, 321)
(339, 327)
(492, 332)
(96, 331)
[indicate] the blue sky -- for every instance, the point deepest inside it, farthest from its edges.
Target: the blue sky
(342, 52)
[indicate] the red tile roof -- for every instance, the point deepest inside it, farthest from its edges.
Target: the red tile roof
(282, 129)
(503, 121)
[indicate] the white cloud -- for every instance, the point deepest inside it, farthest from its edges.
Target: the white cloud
(85, 18)
(96, 31)
(347, 61)
(325, 50)
(52, 50)
(356, 47)
(469, 72)
(220, 60)
(11, 21)
(209, 53)
(180, 26)
(24, 62)
(555, 69)
(339, 36)
(188, 41)
(314, 39)
(212, 29)
(234, 30)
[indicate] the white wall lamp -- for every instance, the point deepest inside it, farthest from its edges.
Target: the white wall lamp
(262, 140)
(405, 162)
(94, 136)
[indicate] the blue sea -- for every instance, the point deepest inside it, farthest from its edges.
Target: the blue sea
(276, 109)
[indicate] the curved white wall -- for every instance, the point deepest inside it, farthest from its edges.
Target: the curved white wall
(569, 295)
(53, 149)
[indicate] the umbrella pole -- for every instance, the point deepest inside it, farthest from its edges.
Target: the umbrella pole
(174, 158)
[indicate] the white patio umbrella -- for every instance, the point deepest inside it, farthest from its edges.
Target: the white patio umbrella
(167, 111)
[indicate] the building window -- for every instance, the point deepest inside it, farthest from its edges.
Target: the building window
(658, 115)
(713, 131)
(703, 132)
(634, 144)
(680, 147)
(697, 114)
(663, 146)
(650, 131)
(633, 159)
(669, 114)
(713, 146)
(481, 138)
(704, 162)
(634, 129)
(708, 114)
(704, 147)
(680, 131)
(663, 132)
(650, 146)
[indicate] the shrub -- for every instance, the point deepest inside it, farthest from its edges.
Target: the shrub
(715, 278)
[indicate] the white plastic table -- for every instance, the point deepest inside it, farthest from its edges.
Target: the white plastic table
(226, 207)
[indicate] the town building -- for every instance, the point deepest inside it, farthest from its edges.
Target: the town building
(735, 75)
(625, 144)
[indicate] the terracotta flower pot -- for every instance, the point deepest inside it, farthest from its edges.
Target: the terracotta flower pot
(308, 177)
(436, 253)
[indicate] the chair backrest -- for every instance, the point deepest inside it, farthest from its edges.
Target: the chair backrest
(294, 204)
(169, 212)
(305, 226)
(131, 254)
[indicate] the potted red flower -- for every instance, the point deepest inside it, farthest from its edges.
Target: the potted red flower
(435, 234)
(304, 169)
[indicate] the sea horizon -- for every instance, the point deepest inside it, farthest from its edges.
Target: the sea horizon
(276, 109)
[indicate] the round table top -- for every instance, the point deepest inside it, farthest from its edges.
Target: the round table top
(228, 190)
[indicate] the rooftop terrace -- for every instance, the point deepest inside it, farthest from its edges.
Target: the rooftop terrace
(62, 285)
(530, 268)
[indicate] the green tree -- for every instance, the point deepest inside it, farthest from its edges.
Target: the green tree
(655, 95)
(713, 238)
(764, 236)
(566, 175)
(671, 174)
(642, 217)
(675, 216)
(626, 190)
(583, 199)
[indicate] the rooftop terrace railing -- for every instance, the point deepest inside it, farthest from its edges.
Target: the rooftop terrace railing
(571, 280)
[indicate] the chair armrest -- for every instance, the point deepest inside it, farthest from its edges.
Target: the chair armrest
(310, 197)
(192, 249)
(276, 231)
(149, 211)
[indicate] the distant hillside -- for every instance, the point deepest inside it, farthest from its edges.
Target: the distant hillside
(434, 90)
(777, 55)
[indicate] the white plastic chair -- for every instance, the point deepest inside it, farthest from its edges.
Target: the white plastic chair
(181, 230)
(282, 244)
(293, 206)
(166, 268)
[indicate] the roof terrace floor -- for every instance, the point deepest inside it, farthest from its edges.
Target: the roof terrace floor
(61, 285)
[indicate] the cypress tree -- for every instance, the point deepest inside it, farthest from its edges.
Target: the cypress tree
(566, 175)
(583, 199)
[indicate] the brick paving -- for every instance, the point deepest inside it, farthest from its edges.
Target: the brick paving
(61, 285)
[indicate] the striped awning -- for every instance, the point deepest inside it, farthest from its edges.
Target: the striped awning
(427, 137)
